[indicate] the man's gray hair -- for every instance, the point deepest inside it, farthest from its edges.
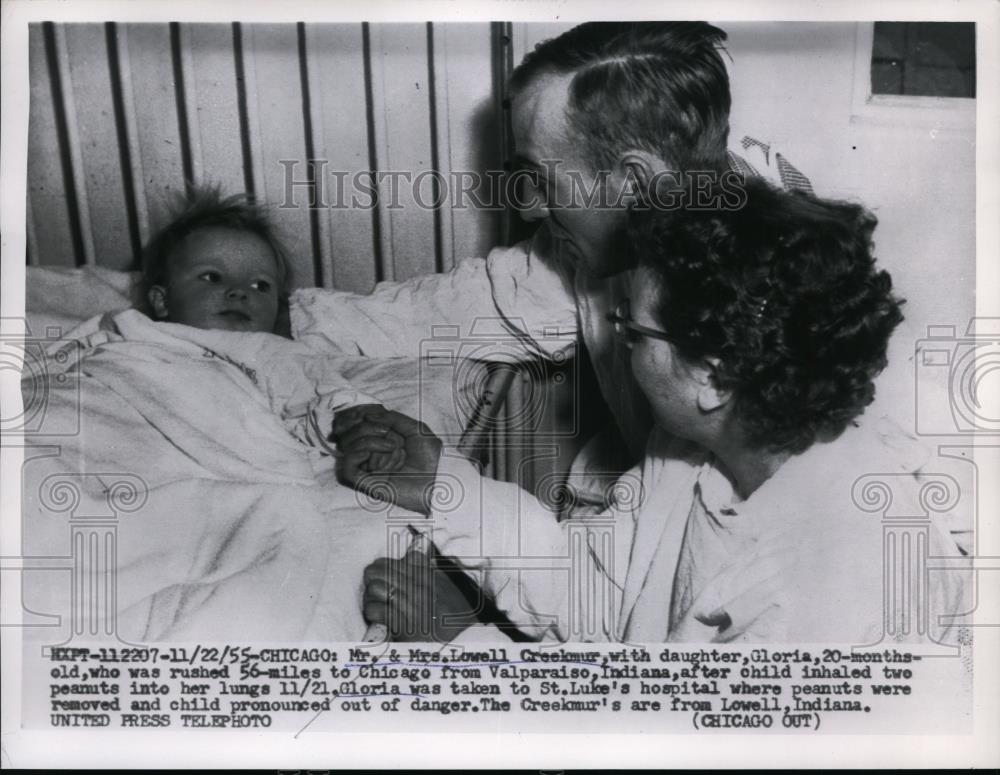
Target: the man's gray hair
(660, 87)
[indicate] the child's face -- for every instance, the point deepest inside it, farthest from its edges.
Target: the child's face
(220, 278)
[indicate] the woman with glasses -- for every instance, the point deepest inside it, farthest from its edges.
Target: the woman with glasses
(756, 335)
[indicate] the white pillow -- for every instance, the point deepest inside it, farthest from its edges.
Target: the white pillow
(63, 298)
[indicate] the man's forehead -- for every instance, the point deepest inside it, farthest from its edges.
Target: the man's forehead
(539, 112)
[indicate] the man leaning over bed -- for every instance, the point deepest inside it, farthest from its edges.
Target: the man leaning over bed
(638, 100)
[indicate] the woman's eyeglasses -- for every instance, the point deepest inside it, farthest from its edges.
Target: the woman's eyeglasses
(628, 329)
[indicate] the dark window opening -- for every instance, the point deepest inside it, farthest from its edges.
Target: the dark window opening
(924, 59)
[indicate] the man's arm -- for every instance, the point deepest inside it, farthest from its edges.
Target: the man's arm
(513, 295)
(552, 579)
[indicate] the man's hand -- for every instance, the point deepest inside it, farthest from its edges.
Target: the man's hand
(379, 433)
(346, 419)
(349, 418)
(413, 600)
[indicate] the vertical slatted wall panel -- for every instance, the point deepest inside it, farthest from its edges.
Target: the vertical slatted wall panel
(70, 138)
(103, 187)
(122, 115)
(31, 236)
(128, 135)
(211, 104)
(402, 132)
(276, 109)
(338, 103)
(468, 136)
(150, 100)
(50, 216)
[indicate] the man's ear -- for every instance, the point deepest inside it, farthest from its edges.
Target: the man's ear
(158, 301)
(711, 397)
(639, 171)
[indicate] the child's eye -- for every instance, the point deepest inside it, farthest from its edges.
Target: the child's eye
(261, 285)
(210, 277)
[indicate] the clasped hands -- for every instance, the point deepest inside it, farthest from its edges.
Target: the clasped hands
(387, 454)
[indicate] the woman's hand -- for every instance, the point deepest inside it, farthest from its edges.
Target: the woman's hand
(414, 600)
(408, 484)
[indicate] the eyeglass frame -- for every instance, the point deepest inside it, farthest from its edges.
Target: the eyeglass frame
(621, 320)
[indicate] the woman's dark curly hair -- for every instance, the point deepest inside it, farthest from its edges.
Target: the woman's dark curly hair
(785, 293)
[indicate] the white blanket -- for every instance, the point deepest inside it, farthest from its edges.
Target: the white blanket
(238, 530)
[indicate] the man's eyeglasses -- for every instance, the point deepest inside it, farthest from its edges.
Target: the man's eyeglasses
(628, 329)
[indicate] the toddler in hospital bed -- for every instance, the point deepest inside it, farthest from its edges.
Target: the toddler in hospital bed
(217, 267)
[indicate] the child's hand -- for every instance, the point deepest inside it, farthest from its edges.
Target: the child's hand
(392, 457)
